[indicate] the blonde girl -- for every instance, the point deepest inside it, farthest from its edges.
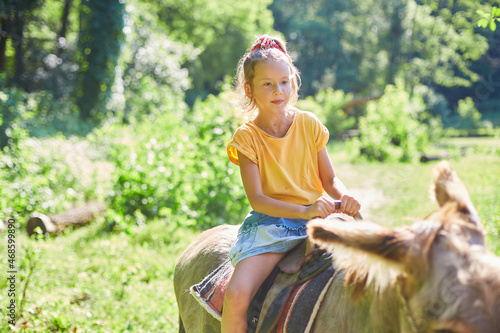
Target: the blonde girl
(285, 170)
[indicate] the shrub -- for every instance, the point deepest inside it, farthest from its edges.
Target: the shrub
(15, 108)
(396, 126)
(175, 165)
(328, 106)
(48, 175)
(469, 116)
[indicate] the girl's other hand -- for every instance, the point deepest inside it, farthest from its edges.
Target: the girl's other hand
(349, 205)
(321, 208)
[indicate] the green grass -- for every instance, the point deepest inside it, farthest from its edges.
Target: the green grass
(88, 280)
(405, 187)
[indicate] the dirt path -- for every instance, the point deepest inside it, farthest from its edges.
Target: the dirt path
(365, 191)
(370, 199)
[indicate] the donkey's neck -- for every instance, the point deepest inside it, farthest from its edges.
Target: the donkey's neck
(383, 311)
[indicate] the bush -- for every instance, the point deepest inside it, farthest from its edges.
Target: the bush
(435, 103)
(218, 194)
(171, 165)
(328, 106)
(15, 108)
(48, 175)
(396, 127)
(469, 116)
(175, 165)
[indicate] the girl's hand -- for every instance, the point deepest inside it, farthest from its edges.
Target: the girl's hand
(349, 205)
(321, 208)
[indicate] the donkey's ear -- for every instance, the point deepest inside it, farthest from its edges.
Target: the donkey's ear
(448, 188)
(369, 253)
(361, 236)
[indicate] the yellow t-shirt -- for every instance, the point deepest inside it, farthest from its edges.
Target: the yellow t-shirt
(288, 166)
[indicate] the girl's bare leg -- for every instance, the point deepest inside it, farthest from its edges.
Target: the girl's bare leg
(247, 277)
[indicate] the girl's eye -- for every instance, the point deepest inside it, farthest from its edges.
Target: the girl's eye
(267, 84)
(284, 82)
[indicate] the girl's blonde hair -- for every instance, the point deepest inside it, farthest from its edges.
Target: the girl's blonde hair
(245, 71)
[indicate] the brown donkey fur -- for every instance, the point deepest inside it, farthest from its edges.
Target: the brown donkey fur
(433, 276)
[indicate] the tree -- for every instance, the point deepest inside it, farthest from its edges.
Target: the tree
(101, 25)
(221, 30)
(369, 43)
(150, 77)
(14, 18)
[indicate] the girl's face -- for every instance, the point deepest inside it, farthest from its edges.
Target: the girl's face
(271, 86)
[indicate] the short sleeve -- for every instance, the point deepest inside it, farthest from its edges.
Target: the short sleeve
(319, 131)
(242, 141)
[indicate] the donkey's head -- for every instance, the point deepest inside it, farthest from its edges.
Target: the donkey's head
(447, 280)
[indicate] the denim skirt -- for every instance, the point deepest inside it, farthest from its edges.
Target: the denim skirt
(262, 233)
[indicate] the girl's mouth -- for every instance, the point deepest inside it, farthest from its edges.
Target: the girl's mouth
(277, 102)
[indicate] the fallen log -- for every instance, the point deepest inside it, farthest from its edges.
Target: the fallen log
(75, 217)
(428, 158)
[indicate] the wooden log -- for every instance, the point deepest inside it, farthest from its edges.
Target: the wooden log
(428, 158)
(55, 224)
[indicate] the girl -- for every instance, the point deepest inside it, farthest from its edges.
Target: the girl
(284, 168)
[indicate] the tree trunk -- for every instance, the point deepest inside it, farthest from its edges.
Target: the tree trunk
(64, 26)
(396, 32)
(55, 224)
(17, 42)
(4, 35)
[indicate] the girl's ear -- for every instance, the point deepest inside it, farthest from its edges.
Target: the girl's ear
(248, 91)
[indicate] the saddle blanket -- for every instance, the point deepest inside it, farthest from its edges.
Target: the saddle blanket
(210, 292)
(292, 304)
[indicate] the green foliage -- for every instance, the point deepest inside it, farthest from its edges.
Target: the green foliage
(435, 103)
(394, 127)
(328, 106)
(446, 45)
(15, 108)
(361, 46)
(218, 194)
(221, 30)
(467, 117)
(150, 74)
(49, 175)
(488, 19)
(175, 164)
(321, 36)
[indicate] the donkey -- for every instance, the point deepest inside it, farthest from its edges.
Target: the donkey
(433, 276)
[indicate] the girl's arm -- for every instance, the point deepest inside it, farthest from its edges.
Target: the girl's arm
(269, 206)
(333, 186)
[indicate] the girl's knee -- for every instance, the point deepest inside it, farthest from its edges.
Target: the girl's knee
(238, 294)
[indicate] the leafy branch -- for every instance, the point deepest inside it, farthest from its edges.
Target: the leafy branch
(488, 19)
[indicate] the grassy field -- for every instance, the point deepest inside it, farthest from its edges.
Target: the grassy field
(90, 280)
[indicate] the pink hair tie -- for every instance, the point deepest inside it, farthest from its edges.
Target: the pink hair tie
(265, 42)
